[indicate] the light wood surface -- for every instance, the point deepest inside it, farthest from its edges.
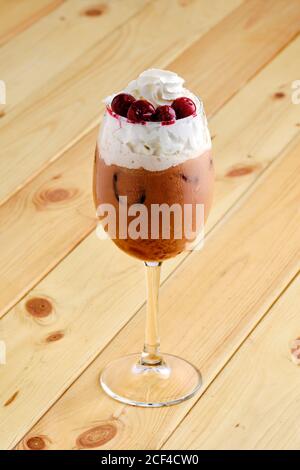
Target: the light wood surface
(16, 16)
(254, 402)
(70, 303)
(26, 74)
(79, 176)
(227, 192)
(196, 321)
(78, 90)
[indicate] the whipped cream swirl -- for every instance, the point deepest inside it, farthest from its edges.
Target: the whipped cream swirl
(157, 86)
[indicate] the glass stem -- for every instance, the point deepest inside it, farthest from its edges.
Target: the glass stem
(151, 354)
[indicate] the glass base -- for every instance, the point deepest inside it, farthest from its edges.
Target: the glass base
(169, 383)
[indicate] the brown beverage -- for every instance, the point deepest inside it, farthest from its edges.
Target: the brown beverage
(154, 155)
(188, 183)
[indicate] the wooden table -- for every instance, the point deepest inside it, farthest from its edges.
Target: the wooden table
(69, 303)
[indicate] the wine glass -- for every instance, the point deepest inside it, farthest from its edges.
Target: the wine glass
(127, 175)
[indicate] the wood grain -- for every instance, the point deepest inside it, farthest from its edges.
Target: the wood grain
(99, 65)
(87, 307)
(267, 125)
(20, 207)
(87, 279)
(26, 73)
(46, 220)
(18, 16)
(253, 33)
(253, 403)
(196, 321)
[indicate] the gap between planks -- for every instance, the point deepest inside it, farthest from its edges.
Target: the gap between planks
(27, 19)
(273, 173)
(256, 427)
(239, 347)
(81, 237)
(52, 265)
(95, 120)
(229, 213)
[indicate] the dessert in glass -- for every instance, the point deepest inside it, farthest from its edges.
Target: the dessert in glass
(153, 170)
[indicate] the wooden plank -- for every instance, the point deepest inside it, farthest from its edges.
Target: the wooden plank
(254, 402)
(205, 321)
(86, 278)
(87, 311)
(51, 111)
(31, 61)
(17, 281)
(257, 30)
(18, 16)
(264, 129)
(46, 220)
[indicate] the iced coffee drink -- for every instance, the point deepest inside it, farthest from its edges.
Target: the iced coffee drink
(153, 184)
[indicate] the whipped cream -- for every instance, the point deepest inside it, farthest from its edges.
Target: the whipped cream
(153, 145)
(160, 87)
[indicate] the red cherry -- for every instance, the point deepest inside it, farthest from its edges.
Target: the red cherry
(183, 107)
(140, 110)
(164, 113)
(121, 103)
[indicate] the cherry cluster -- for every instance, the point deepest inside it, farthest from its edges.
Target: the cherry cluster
(142, 110)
